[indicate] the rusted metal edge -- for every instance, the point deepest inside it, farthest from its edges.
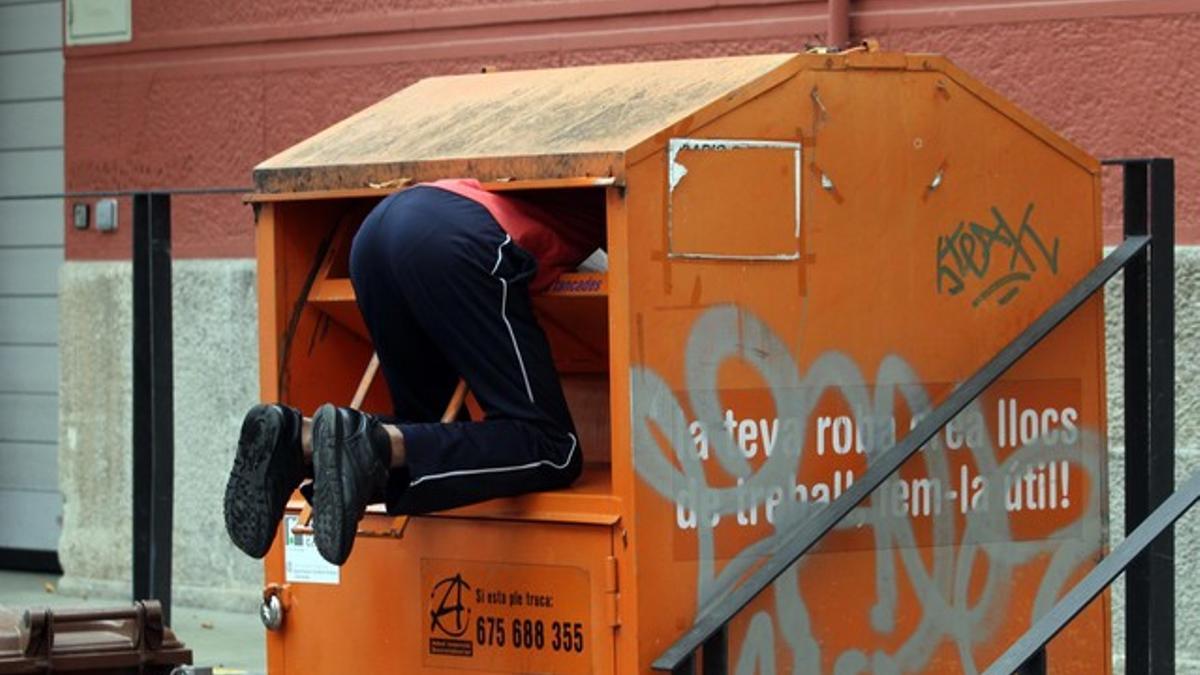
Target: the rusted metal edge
(568, 285)
(337, 181)
(541, 516)
(593, 509)
(606, 516)
(506, 185)
(548, 183)
(309, 195)
(397, 525)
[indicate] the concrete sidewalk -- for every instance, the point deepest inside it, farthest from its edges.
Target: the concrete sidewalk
(229, 642)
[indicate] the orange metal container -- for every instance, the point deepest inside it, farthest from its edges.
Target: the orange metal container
(806, 253)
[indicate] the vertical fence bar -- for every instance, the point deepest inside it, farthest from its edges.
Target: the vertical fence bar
(1137, 420)
(1161, 460)
(153, 413)
(715, 655)
(686, 666)
(1036, 665)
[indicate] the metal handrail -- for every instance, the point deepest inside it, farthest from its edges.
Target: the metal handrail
(713, 618)
(1103, 574)
(131, 192)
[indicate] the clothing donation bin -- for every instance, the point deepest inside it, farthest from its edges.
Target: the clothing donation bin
(806, 253)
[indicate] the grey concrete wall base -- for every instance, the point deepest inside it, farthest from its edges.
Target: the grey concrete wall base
(1187, 567)
(216, 380)
(1187, 345)
(1187, 432)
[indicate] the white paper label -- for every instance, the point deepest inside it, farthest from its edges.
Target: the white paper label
(301, 559)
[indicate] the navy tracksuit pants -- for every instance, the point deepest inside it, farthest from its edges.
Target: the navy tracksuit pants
(444, 293)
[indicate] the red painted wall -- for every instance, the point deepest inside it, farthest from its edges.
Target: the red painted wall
(208, 88)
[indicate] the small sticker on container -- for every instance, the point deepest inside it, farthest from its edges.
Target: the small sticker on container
(301, 560)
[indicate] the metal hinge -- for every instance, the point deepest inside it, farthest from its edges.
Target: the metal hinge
(611, 592)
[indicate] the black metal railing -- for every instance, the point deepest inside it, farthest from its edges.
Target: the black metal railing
(153, 400)
(1150, 410)
(1027, 654)
(153, 388)
(1150, 450)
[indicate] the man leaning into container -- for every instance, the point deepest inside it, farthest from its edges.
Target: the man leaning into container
(443, 273)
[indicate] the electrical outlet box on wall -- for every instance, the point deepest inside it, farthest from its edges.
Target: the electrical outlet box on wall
(94, 22)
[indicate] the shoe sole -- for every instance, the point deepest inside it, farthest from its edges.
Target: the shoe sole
(334, 526)
(248, 507)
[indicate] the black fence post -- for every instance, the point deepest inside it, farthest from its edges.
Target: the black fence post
(1036, 665)
(686, 666)
(1150, 413)
(153, 410)
(715, 653)
(1137, 419)
(1160, 558)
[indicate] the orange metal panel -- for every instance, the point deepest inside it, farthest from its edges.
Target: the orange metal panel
(934, 229)
(442, 594)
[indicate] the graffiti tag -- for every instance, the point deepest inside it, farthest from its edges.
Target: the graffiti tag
(996, 260)
(948, 610)
(450, 604)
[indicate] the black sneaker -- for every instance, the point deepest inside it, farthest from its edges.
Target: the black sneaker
(269, 465)
(351, 457)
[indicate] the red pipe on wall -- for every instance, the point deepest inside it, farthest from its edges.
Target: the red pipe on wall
(839, 23)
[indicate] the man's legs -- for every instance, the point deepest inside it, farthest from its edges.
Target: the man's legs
(444, 293)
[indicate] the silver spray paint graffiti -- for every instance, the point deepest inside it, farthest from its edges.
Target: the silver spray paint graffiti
(948, 611)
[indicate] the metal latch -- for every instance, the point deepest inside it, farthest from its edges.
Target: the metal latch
(276, 599)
